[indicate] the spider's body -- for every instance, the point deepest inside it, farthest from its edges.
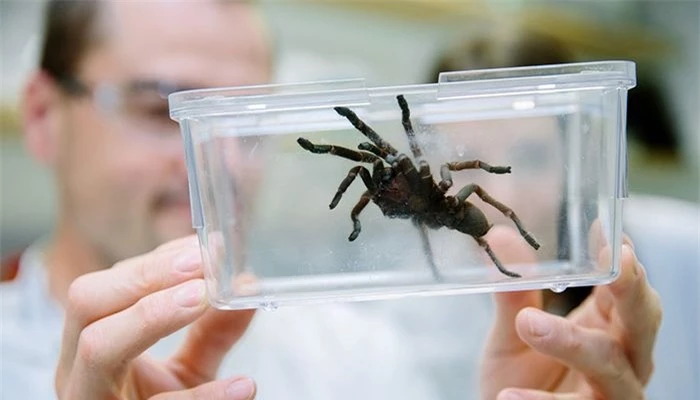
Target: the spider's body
(401, 190)
(397, 199)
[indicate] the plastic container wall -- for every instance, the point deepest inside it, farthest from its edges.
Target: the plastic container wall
(261, 196)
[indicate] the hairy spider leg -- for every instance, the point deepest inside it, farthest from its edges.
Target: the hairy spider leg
(425, 186)
(428, 249)
(380, 173)
(473, 188)
(422, 189)
(482, 242)
(476, 164)
(355, 213)
(390, 158)
(405, 165)
(424, 169)
(446, 176)
(366, 178)
(337, 150)
(365, 129)
(367, 146)
(408, 128)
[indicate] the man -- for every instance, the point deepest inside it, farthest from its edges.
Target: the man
(93, 114)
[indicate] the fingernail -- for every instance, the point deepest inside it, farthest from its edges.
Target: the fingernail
(189, 261)
(240, 389)
(191, 294)
(509, 395)
(635, 268)
(539, 326)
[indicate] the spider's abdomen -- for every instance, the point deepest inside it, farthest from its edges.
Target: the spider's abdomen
(470, 220)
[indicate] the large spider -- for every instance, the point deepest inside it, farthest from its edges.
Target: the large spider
(401, 190)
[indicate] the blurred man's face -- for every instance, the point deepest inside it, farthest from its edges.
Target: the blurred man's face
(121, 166)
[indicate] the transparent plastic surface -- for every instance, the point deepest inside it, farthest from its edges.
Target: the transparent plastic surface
(261, 197)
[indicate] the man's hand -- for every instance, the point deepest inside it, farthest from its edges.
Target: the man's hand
(115, 315)
(601, 350)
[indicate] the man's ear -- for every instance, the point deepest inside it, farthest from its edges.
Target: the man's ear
(41, 103)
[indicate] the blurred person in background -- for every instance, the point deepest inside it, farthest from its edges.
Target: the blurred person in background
(111, 304)
(666, 230)
(96, 114)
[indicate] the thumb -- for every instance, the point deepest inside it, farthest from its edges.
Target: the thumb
(208, 341)
(238, 388)
(211, 337)
(510, 248)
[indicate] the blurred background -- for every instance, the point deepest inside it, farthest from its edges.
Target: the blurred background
(403, 42)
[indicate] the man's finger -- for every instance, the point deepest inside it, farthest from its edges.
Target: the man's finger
(595, 310)
(639, 308)
(594, 353)
(106, 346)
(239, 388)
(208, 340)
(530, 394)
(96, 295)
(510, 248)
(128, 281)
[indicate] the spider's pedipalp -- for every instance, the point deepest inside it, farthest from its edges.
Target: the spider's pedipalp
(380, 173)
(367, 146)
(366, 178)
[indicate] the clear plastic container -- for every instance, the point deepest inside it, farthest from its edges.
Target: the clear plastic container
(262, 181)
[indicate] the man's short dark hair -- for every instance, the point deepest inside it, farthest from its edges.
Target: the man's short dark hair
(70, 30)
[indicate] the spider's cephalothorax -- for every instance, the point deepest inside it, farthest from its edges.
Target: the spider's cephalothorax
(401, 190)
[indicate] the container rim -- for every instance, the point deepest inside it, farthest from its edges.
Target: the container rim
(193, 103)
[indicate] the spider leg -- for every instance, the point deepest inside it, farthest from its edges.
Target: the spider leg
(424, 169)
(428, 249)
(406, 121)
(482, 242)
(354, 214)
(446, 176)
(366, 178)
(367, 146)
(390, 158)
(409, 170)
(423, 183)
(473, 188)
(476, 164)
(427, 184)
(365, 129)
(380, 173)
(423, 188)
(337, 150)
